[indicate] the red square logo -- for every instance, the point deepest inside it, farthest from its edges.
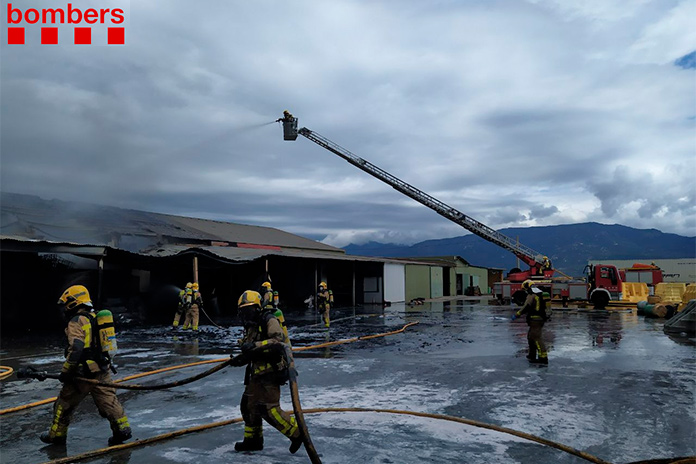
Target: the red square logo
(49, 36)
(15, 35)
(116, 36)
(83, 35)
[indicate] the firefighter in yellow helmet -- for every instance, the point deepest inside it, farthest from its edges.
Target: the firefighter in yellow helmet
(83, 359)
(184, 303)
(270, 300)
(324, 302)
(535, 310)
(266, 371)
(196, 303)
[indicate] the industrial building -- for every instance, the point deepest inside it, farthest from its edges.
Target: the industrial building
(135, 260)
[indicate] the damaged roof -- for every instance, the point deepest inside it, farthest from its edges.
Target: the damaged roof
(35, 218)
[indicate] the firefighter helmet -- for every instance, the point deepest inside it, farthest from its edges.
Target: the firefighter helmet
(527, 284)
(189, 285)
(266, 285)
(249, 298)
(322, 285)
(194, 286)
(75, 296)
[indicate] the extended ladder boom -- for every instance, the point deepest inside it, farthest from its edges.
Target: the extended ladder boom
(526, 254)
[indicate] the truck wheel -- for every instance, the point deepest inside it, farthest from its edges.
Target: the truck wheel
(519, 297)
(600, 298)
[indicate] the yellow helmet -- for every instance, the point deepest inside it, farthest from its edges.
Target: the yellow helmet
(189, 285)
(266, 285)
(75, 296)
(249, 298)
(195, 286)
(527, 284)
(322, 284)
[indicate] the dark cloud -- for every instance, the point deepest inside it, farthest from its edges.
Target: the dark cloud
(180, 119)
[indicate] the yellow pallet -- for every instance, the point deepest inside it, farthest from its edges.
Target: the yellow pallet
(633, 292)
(689, 294)
(670, 293)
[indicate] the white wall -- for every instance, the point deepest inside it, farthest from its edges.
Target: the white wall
(394, 282)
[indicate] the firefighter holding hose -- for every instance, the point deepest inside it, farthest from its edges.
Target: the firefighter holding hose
(263, 345)
(85, 358)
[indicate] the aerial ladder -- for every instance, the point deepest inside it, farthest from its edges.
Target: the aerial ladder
(539, 265)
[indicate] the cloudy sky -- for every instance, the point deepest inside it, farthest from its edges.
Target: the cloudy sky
(517, 113)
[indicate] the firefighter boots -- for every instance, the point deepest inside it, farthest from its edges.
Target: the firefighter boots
(119, 437)
(249, 444)
(47, 438)
(295, 444)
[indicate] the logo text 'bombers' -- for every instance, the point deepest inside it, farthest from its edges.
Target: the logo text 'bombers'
(49, 18)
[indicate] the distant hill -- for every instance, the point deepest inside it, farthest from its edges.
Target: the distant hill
(568, 246)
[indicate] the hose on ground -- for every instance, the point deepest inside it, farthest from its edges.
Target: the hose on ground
(5, 372)
(523, 435)
(210, 361)
(210, 319)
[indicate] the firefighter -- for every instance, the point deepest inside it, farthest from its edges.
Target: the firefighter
(266, 371)
(195, 304)
(83, 359)
(535, 310)
(183, 304)
(270, 300)
(324, 302)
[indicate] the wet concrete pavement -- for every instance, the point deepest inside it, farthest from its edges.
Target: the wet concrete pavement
(616, 387)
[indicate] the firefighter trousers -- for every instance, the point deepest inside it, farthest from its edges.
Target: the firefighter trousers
(72, 394)
(191, 319)
(535, 340)
(177, 316)
(261, 400)
(325, 315)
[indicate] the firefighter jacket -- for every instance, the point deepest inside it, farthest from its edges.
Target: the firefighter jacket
(534, 307)
(196, 298)
(83, 354)
(266, 365)
(182, 302)
(269, 299)
(324, 300)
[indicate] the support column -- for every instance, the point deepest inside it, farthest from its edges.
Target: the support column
(353, 285)
(195, 269)
(100, 283)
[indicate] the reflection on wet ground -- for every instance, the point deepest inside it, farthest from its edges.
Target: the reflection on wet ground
(616, 387)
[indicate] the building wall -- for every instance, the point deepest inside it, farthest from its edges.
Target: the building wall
(394, 282)
(675, 270)
(436, 282)
(417, 281)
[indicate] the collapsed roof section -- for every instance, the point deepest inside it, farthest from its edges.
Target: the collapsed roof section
(30, 217)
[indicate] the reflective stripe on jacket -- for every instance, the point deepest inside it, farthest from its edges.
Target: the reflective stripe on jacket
(80, 344)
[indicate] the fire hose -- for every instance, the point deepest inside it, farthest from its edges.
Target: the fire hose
(177, 433)
(144, 374)
(5, 372)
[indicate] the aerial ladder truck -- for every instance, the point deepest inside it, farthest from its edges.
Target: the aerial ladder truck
(603, 282)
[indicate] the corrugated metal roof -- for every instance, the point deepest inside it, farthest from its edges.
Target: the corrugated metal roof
(60, 221)
(229, 254)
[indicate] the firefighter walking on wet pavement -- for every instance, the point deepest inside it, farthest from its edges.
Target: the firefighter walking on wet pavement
(266, 370)
(325, 303)
(84, 358)
(534, 309)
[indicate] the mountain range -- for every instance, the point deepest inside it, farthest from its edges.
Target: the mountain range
(568, 246)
